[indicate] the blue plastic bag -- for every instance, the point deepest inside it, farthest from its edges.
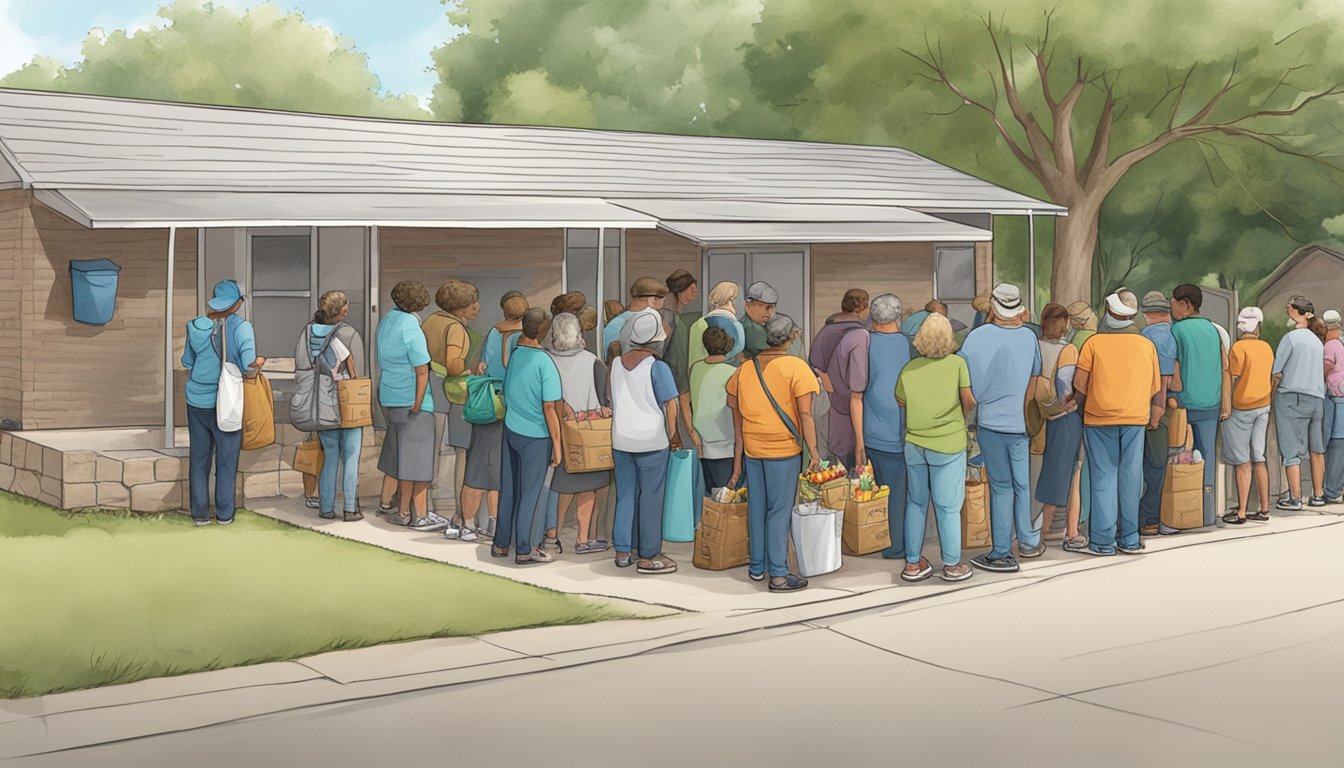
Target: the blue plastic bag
(93, 288)
(682, 495)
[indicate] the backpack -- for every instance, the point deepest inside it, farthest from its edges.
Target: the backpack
(314, 404)
(1046, 405)
(455, 387)
(485, 400)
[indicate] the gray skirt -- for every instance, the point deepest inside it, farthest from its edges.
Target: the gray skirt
(578, 482)
(410, 445)
(1063, 441)
(485, 456)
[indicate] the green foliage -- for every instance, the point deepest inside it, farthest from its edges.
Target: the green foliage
(99, 598)
(208, 54)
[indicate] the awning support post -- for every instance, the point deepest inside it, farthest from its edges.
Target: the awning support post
(598, 298)
(169, 431)
(1031, 264)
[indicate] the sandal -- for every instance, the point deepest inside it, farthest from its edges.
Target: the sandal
(657, 565)
(791, 584)
(624, 560)
(549, 542)
(399, 519)
(1232, 518)
(499, 551)
(327, 515)
(924, 571)
(353, 515)
(591, 547)
(536, 556)
(1259, 517)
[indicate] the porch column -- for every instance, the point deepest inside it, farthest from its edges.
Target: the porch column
(598, 299)
(1031, 264)
(169, 431)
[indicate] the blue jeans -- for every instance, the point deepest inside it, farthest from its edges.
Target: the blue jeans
(524, 462)
(1008, 462)
(339, 446)
(940, 478)
(1334, 447)
(772, 487)
(641, 479)
(889, 470)
(1116, 456)
(1204, 423)
(207, 443)
(1155, 452)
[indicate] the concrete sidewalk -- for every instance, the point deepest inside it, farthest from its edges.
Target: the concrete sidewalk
(731, 606)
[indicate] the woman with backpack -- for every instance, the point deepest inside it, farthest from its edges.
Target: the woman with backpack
(454, 351)
(219, 336)
(334, 347)
(1063, 433)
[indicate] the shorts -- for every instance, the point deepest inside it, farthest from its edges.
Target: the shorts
(1298, 423)
(410, 445)
(1244, 437)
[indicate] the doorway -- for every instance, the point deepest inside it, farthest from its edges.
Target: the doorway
(785, 268)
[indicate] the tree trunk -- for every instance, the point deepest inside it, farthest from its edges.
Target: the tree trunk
(1075, 247)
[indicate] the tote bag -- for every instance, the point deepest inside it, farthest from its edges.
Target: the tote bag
(681, 496)
(229, 403)
(258, 413)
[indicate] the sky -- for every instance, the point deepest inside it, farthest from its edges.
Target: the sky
(397, 35)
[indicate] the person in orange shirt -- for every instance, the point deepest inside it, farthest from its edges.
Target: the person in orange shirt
(1250, 363)
(1119, 383)
(771, 398)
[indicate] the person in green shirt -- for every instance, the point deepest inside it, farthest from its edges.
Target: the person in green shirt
(1200, 382)
(712, 418)
(679, 313)
(761, 301)
(935, 390)
(1083, 322)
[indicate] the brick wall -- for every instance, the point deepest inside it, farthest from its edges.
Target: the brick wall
(81, 376)
(905, 269)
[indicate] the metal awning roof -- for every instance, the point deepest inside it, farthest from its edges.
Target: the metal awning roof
(738, 222)
(142, 209)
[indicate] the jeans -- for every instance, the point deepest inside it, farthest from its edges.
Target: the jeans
(772, 487)
(522, 475)
(1334, 447)
(717, 473)
(1204, 423)
(641, 479)
(1007, 459)
(1116, 456)
(339, 446)
(940, 478)
(889, 470)
(1155, 450)
(207, 442)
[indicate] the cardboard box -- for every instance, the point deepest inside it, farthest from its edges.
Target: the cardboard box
(587, 445)
(356, 400)
(721, 540)
(1183, 496)
(975, 531)
(865, 528)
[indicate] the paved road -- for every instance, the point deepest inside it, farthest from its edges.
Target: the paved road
(1229, 653)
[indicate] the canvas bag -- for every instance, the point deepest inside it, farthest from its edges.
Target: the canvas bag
(314, 404)
(308, 456)
(229, 400)
(258, 413)
(485, 400)
(682, 494)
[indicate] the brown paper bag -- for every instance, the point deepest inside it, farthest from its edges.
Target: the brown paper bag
(308, 455)
(975, 530)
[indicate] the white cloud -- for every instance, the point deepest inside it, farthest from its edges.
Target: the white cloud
(16, 46)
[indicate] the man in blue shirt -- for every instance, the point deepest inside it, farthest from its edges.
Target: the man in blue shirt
(203, 355)
(1005, 362)
(883, 418)
(1157, 314)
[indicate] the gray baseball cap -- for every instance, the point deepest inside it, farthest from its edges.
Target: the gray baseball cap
(1156, 301)
(762, 292)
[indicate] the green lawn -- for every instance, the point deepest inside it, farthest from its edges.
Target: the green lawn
(97, 598)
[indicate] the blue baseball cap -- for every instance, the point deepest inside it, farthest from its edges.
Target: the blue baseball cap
(226, 295)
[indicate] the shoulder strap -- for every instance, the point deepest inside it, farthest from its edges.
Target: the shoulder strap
(784, 417)
(504, 346)
(223, 342)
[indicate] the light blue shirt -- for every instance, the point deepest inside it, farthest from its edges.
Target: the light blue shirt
(1002, 362)
(613, 331)
(531, 381)
(492, 352)
(883, 417)
(1161, 336)
(200, 355)
(1301, 360)
(401, 349)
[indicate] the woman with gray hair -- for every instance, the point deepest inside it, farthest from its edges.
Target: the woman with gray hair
(583, 382)
(722, 314)
(883, 418)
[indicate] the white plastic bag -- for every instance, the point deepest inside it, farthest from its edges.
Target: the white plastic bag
(816, 538)
(229, 399)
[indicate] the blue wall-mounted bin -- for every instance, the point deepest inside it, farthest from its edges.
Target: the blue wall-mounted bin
(93, 285)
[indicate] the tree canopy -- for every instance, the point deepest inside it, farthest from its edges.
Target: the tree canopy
(208, 54)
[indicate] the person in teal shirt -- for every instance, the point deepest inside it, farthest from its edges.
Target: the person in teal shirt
(407, 459)
(1199, 381)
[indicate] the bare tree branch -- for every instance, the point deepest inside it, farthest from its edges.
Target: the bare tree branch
(1101, 140)
(1212, 103)
(1040, 144)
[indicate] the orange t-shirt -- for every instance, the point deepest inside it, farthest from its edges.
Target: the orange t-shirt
(1122, 378)
(764, 435)
(1251, 363)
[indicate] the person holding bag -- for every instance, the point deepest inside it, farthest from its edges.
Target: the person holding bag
(454, 351)
(338, 346)
(771, 399)
(218, 345)
(583, 380)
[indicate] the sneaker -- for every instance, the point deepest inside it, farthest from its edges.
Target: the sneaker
(1030, 553)
(791, 583)
(311, 502)
(1107, 552)
(959, 572)
(1075, 543)
(1259, 517)
(996, 564)
(226, 522)
(1289, 504)
(1316, 501)
(467, 533)
(1167, 530)
(426, 524)
(433, 517)
(451, 531)
(1136, 550)
(1335, 499)
(1150, 530)
(591, 547)
(200, 523)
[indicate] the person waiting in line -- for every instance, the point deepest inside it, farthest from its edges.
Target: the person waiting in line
(1299, 405)
(1056, 487)
(839, 356)
(454, 351)
(1333, 422)
(407, 458)
(645, 293)
(680, 312)
(481, 478)
(761, 302)
(583, 383)
(643, 432)
(710, 414)
(571, 303)
(723, 315)
(1250, 364)
(1082, 323)
(1005, 360)
(883, 428)
(935, 390)
(221, 334)
(340, 446)
(533, 393)
(1156, 445)
(771, 399)
(1199, 383)
(1119, 384)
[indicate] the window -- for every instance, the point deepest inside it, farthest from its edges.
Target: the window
(954, 280)
(282, 296)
